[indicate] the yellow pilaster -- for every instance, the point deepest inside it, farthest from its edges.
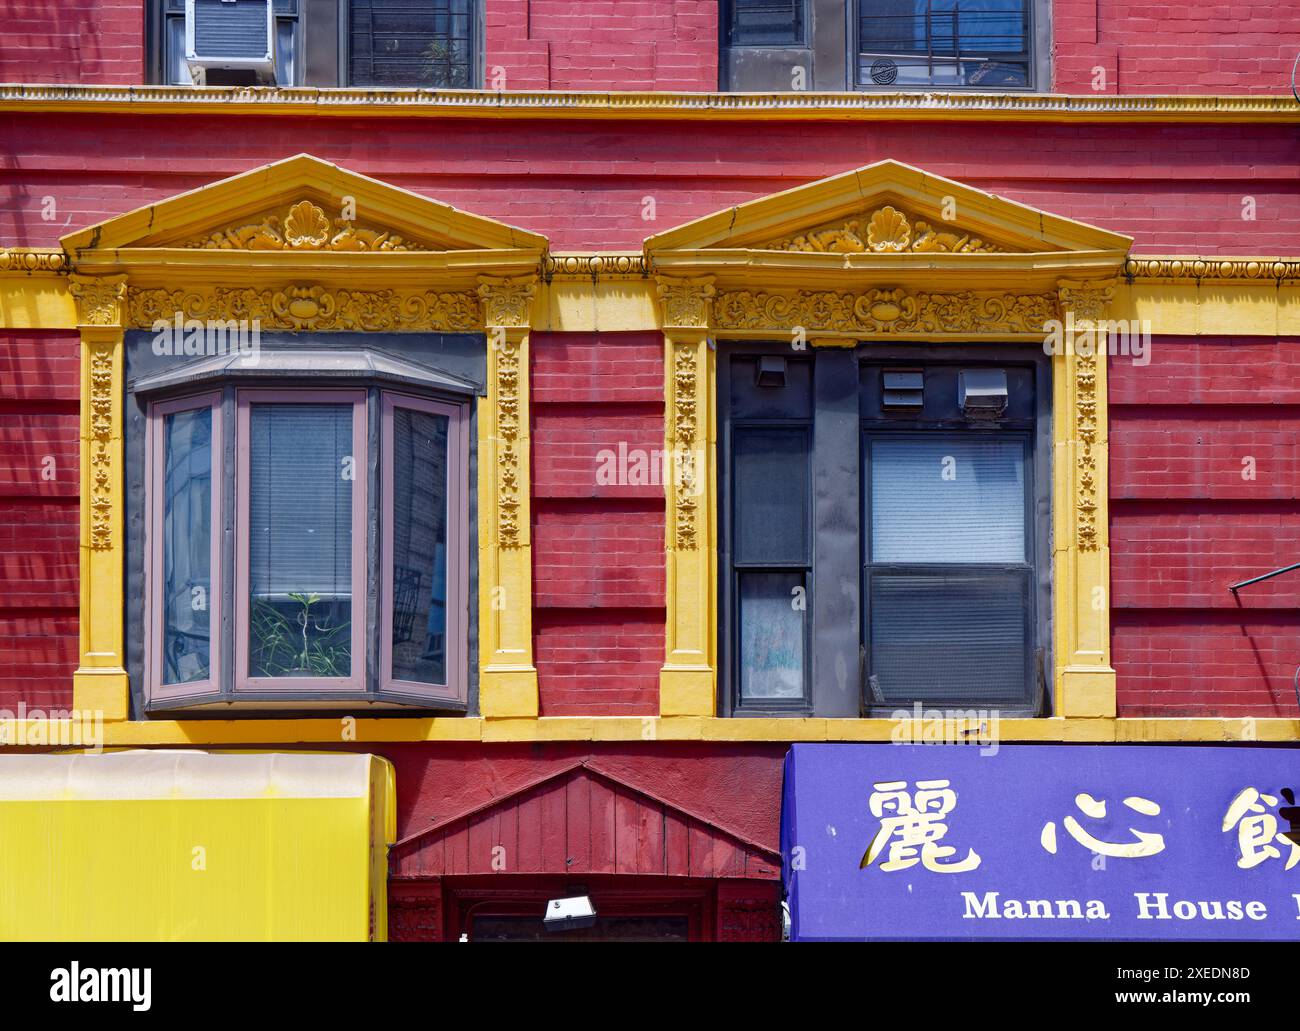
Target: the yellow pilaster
(507, 676)
(100, 682)
(688, 679)
(1085, 681)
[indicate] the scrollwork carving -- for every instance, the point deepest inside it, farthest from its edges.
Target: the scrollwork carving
(886, 312)
(312, 307)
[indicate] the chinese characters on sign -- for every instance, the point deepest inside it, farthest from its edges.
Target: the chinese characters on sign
(1130, 841)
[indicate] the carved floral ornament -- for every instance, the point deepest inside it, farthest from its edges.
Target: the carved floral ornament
(886, 311)
(99, 299)
(886, 230)
(305, 227)
(313, 307)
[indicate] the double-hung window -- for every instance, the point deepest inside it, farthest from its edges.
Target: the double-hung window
(883, 530)
(387, 44)
(306, 545)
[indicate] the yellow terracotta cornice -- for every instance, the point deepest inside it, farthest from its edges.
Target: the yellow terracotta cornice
(19, 262)
(765, 107)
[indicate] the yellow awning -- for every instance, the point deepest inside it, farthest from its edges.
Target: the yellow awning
(187, 845)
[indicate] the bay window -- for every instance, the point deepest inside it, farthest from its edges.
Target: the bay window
(883, 530)
(306, 546)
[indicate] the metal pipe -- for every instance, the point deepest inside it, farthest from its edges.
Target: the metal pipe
(1267, 576)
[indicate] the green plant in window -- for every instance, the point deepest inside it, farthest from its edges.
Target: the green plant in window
(302, 642)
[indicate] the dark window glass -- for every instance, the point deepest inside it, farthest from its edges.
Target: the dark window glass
(763, 23)
(419, 637)
(301, 473)
(187, 546)
(426, 43)
(978, 43)
(771, 554)
(771, 496)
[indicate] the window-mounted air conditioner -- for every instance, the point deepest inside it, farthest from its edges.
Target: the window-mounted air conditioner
(233, 38)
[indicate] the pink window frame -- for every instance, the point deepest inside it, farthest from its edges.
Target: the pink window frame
(457, 605)
(154, 620)
(292, 686)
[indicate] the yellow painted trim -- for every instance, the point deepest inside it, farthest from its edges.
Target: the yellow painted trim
(549, 104)
(1206, 296)
(54, 733)
(100, 682)
(507, 676)
(741, 234)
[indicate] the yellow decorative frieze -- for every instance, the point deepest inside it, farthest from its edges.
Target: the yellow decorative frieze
(305, 227)
(313, 307)
(886, 230)
(886, 311)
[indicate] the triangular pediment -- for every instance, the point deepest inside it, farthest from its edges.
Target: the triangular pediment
(887, 208)
(301, 205)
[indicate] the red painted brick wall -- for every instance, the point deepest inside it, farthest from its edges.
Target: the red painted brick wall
(39, 375)
(1174, 188)
(1110, 46)
(605, 44)
(1205, 492)
(1114, 46)
(99, 42)
(598, 532)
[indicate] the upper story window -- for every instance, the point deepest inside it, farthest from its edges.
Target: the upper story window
(305, 544)
(769, 45)
(883, 532)
(763, 23)
(944, 43)
(411, 43)
(431, 44)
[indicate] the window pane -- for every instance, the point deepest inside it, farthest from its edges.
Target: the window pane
(187, 546)
(957, 637)
(772, 609)
(771, 496)
(419, 572)
(411, 43)
(175, 70)
(285, 51)
(955, 42)
(300, 540)
(947, 500)
(765, 22)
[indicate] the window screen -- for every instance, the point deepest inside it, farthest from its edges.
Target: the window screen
(427, 43)
(763, 23)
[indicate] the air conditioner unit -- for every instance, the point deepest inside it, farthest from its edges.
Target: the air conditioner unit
(234, 38)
